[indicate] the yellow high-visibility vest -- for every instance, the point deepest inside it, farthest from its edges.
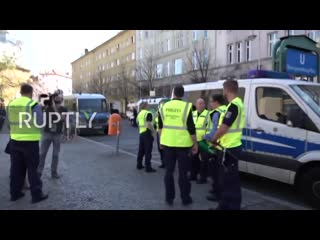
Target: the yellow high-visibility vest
(174, 116)
(201, 123)
(19, 130)
(142, 120)
(233, 137)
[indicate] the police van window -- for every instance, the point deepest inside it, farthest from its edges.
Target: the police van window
(274, 104)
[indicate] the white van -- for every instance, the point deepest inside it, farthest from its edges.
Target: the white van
(281, 139)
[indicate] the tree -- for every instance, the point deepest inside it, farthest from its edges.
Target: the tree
(125, 86)
(147, 69)
(200, 63)
(98, 84)
(7, 63)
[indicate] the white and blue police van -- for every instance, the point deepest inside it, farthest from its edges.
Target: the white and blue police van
(281, 138)
(87, 104)
(152, 102)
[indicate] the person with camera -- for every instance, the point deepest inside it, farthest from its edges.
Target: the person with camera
(52, 132)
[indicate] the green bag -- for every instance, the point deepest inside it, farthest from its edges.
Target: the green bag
(205, 147)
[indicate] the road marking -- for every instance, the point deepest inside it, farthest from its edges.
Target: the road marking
(258, 194)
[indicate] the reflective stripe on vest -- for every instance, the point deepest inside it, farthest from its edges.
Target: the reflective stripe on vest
(233, 137)
(201, 123)
(142, 120)
(174, 115)
(19, 130)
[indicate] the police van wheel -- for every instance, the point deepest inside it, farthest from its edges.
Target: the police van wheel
(309, 186)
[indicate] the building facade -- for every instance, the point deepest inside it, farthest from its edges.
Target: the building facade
(229, 54)
(108, 69)
(161, 59)
(54, 80)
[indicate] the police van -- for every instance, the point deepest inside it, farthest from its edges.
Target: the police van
(281, 138)
(153, 105)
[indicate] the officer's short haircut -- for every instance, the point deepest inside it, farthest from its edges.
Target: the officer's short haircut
(26, 89)
(218, 98)
(178, 91)
(231, 85)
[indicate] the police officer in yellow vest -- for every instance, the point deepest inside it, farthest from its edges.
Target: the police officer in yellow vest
(25, 116)
(217, 103)
(177, 138)
(200, 164)
(147, 132)
(229, 136)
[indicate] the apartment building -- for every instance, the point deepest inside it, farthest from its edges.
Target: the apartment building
(231, 53)
(101, 69)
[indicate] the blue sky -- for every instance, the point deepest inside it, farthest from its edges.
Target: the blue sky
(56, 49)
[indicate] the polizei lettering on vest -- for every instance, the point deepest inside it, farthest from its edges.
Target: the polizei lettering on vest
(177, 110)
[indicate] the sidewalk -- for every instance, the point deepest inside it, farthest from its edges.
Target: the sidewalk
(94, 177)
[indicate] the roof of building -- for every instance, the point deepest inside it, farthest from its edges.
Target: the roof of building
(93, 50)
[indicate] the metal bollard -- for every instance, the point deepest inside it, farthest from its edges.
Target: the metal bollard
(118, 137)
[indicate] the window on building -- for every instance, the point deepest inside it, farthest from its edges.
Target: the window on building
(103, 67)
(248, 50)
(127, 58)
(230, 53)
(205, 33)
(272, 39)
(178, 66)
(99, 55)
(194, 61)
(140, 53)
(112, 64)
(146, 34)
(180, 40)
(132, 39)
(314, 35)
(118, 62)
(133, 73)
(107, 52)
(133, 55)
(107, 65)
(140, 35)
(168, 45)
(159, 70)
(161, 47)
(291, 32)
(81, 76)
(195, 35)
(239, 52)
(168, 69)
(118, 47)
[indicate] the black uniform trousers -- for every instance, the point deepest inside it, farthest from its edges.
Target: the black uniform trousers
(199, 166)
(171, 156)
(228, 186)
(145, 149)
(159, 149)
(24, 156)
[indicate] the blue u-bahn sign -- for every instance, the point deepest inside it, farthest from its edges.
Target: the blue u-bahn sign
(301, 63)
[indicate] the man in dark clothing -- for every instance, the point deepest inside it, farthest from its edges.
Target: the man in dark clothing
(52, 134)
(177, 142)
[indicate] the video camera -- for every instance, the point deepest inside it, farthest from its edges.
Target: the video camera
(50, 98)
